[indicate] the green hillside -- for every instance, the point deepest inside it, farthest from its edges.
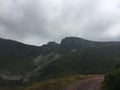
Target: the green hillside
(72, 56)
(97, 59)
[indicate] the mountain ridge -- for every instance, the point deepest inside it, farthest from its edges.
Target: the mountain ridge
(72, 56)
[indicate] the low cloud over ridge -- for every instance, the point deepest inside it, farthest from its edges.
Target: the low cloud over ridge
(39, 21)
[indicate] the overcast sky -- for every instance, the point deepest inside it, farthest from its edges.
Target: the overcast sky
(39, 21)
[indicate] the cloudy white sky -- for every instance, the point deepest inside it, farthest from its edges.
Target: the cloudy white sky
(39, 21)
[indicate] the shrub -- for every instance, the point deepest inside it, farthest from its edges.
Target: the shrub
(112, 79)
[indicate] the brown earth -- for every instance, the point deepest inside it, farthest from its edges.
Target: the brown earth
(89, 84)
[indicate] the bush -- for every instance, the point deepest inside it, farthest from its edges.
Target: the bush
(112, 79)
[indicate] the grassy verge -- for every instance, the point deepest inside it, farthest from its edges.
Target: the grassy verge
(57, 83)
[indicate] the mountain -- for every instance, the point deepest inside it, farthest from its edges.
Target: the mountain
(15, 55)
(72, 56)
(72, 43)
(81, 56)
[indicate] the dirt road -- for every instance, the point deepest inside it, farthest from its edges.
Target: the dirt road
(89, 84)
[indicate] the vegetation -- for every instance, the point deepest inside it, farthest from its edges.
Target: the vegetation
(16, 57)
(50, 84)
(76, 56)
(112, 79)
(88, 60)
(57, 83)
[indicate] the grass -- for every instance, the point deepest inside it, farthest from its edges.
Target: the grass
(57, 83)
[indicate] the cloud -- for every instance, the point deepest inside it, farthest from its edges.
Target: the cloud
(39, 21)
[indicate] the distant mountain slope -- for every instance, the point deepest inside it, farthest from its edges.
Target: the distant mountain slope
(15, 55)
(72, 56)
(18, 58)
(84, 57)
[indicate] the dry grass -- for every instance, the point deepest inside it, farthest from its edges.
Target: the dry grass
(58, 83)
